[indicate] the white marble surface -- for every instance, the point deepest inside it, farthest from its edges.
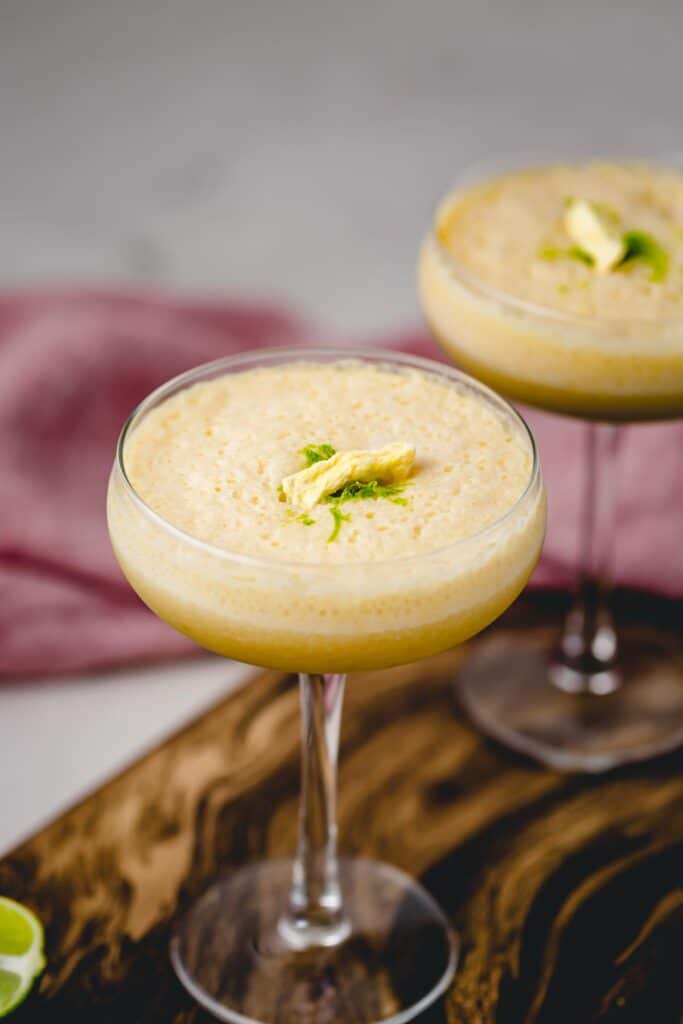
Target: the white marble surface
(266, 147)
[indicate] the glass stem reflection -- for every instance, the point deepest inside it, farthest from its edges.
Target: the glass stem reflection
(315, 916)
(586, 660)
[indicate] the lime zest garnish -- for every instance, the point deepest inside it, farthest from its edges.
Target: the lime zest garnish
(310, 486)
(608, 212)
(591, 227)
(353, 490)
(372, 490)
(317, 453)
(642, 247)
(303, 517)
(574, 252)
(339, 517)
(21, 953)
(357, 491)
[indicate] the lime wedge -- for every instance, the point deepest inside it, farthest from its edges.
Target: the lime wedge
(21, 953)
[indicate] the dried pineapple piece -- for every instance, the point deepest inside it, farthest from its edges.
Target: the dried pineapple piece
(387, 465)
(595, 234)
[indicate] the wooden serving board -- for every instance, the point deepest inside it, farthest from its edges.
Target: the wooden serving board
(567, 891)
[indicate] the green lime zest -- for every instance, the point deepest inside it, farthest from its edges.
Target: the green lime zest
(339, 517)
(357, 491)
(317, 453)
(373, 490)
(608, 213)
(642, 247)
(575, 252)
(303, 517)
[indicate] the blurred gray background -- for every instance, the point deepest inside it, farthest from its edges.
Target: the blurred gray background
(295, 147)
(282, 148)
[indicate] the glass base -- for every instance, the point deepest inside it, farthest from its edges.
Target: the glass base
(506, 689)
(396, 955)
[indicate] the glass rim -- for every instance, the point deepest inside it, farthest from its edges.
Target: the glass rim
(290, 353)
(491, 167)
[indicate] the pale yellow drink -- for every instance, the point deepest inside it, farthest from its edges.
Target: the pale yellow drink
(508, 297)
(203, 535)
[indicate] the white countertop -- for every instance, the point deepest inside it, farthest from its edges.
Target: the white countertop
(291, 149)
(61, 737)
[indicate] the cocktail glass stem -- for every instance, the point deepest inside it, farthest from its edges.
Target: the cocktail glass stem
(315, 916)
(586, 660)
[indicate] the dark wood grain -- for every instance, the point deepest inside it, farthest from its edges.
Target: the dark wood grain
(567, 891)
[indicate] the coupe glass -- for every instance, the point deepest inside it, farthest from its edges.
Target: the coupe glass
(318, 937)
(598, 697)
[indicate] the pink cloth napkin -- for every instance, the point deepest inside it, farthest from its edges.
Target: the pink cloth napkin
(73, 365)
